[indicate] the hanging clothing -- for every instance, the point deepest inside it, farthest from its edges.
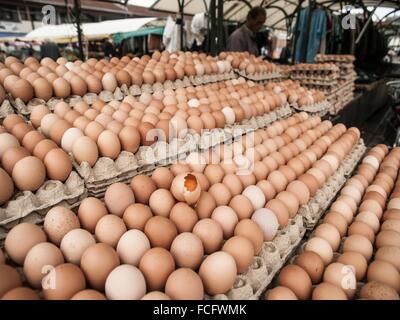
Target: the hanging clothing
(198, 28)
(171, 36)
(316, 34)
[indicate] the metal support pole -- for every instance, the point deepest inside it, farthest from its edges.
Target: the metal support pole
(295, 34)
(77, 9)
(213, 34)
(367, 23)
(220, 26)
(307, 34)
(181, 4)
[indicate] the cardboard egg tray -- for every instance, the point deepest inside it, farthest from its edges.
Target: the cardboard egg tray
(316, 109)
(316, 207)
(107, 171)
(343, 58)
(32, 207)
(275, 254)
(5, 109)
(261, 76)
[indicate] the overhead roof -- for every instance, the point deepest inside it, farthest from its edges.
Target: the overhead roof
(277, 10)
(90, 30)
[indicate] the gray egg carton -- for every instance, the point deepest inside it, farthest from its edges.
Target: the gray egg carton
(261, 76)
(5, 109)
(316, 109)
(28, 206)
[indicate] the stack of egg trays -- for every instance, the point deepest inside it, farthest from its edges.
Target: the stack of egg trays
(275, 254)
(316, 109)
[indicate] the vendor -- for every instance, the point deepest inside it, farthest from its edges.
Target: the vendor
(244, 38)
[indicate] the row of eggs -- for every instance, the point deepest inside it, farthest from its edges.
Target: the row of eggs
(249, 63)
(172, 220)
(61, 78)
(367, 193)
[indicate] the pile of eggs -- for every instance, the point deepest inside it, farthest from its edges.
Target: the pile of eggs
(107, 128)
(27, 157)
(248, 63)
(334, 57)
(315, 67)
(187, 230)
(340, 252)
(298, 94)
(29, 79)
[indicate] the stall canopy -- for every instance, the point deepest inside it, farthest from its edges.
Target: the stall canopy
(91, 31)
(277, 10)
(119, 37)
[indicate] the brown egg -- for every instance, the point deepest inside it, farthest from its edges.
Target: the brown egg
(31, 139)
(280, 293)
(58, 222)
(88, 294)
(161, 231)
(156, 265)
(361, 228)
(20, 293)
(387, 238)
(296, 279)
(385, 273)
(58, 129)
(378, 291)
(242, 250)
(280, 211)
(12, 156)
(41, 255)
(328, 291)
(187, 250)
(242, 206)
(89, 213)
(356, 260)
(21, 239)
(360, 244)
(109, 229)
(69, 281)
(20, 130)
(290, 201)
(29, 173)
(300, 190)
(312, 264)
(78, 86)
(10, 279)
(218, 272)
(267, 188)
(109, 144)
(183, 216)
(329, 233)
(162, 177)
(97, 262)
(161, 202)
(337, 273)
(143, 186)
(58, 165)
(61, 88)
(210, 233)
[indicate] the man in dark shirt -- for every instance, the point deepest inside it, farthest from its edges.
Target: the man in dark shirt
(244, 38)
